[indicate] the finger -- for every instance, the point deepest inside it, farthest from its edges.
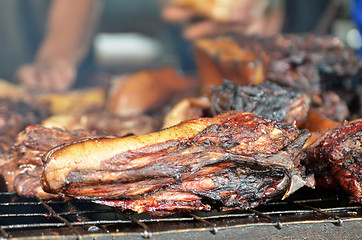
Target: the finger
(211, 28)
(44, 81)
(200, 29)
(245, 11)
(62, 78)
(26, 76)
(173, 13)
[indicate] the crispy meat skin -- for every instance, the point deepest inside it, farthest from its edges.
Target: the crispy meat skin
(236, 160)
(21, 166)
(339, 153)
(267, 99)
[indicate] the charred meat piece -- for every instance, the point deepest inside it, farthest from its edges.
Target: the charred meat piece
(267, 99)
(235, 160)
(333, 107)
(338, 153)
(307, 62)
(15, 115)
(21, 166)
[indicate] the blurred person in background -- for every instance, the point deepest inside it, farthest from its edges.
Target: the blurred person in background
(45, 44)
(262, 17)
(56, 59)
(248, 17)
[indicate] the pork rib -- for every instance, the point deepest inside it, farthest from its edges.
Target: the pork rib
(235, 160)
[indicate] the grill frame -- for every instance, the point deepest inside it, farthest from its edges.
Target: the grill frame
(57, 219)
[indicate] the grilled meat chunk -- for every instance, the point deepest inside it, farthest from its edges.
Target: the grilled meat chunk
(333, 107)
(16, 114)
(21, 166)
(307, 62)
(267, 99)
(235, 160)
(338, 152)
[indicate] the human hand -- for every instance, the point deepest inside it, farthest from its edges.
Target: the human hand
(220, 17)
(51, 76)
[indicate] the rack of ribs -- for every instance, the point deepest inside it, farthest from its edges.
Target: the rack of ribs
(236, 160)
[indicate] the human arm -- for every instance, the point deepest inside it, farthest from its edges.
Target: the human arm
(68, 37)
(215, 17)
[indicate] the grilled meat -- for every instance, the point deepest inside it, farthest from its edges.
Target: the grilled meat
(306, 62)
(338, 152)
(15, 115)
(333, 107)
(267, 99)
(147, 91)
(235, 160)
(21, 166)
(105, 122)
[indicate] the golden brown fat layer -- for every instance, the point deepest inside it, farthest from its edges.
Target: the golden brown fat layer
(90, 154)
(74, 163)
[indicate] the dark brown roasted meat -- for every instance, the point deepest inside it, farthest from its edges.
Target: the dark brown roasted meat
(15, 115)
(236, 160)
(21, 166)
(333, 107)
(310, 63)
(266, 99)
(338, 153)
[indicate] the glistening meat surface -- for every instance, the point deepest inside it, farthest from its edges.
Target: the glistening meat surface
(235, 160)
(338, 152)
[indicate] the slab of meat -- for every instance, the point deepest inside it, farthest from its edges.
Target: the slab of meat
(338, 153)
(267, 99)
(21, 166)
(236, 160)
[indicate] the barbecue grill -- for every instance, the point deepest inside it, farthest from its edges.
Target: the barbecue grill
(308, 214)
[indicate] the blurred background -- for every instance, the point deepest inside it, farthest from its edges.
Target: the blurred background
(131, 34)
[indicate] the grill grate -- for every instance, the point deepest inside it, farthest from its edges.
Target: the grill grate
(21, 217)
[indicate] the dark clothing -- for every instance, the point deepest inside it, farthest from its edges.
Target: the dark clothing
(303, 15)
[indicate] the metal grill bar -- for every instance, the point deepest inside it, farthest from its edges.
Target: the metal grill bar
(79, 218)
(328, 214)
(146, 233)
(278, 224)
(4, 233)
(213, 228)
(54, 214)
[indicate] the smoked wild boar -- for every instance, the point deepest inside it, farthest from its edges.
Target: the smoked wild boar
(236, 160)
